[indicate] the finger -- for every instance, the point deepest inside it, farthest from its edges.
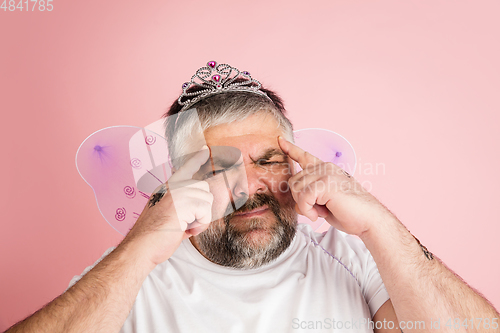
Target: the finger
(189, 183)
(305, 204)
(196, 229)
(183, 195)
(321, 210)
(193, 209)
(302, 180)
(297, 154)
(192, 165)
(311, 216)
(203, 215)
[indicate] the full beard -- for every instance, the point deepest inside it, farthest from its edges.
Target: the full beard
(224, 242)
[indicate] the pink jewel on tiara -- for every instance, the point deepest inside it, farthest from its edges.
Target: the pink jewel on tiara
(215, 79)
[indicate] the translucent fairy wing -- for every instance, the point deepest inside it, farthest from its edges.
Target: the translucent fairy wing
(123, 165)
(329, 147)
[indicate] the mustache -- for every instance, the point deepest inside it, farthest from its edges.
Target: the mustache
(248, 204)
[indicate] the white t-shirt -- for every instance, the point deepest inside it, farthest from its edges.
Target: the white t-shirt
(320, 283)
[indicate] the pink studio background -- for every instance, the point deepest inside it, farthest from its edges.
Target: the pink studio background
(413, 85)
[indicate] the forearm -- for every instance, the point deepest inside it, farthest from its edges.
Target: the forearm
(99, 302)
(420, 286)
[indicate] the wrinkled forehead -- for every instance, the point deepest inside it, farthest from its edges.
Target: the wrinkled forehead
(252, 135)
(256, 133)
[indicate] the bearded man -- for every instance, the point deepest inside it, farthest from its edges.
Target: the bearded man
(218, 248)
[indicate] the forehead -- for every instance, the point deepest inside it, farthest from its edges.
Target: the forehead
(252, 135)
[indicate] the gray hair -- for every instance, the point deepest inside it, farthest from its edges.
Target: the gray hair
(184, 129)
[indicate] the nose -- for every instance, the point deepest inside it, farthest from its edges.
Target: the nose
(254, 183)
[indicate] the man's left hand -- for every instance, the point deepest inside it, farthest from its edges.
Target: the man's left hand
(323, 189)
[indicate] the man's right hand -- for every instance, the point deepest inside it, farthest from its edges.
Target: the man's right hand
(176, 211)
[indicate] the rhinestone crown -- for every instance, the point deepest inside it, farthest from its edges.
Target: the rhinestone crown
(216, 79)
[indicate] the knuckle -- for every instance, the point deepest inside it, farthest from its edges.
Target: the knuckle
(201, 203)
(204, 185)
(207, 205)
(308, 168)
(210, 198)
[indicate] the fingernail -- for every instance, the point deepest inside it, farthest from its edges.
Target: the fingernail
(204, 147)
(281, 143)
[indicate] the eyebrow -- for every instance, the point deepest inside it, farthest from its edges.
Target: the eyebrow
(268, 154)
(217, 163)
(271, 152)
(223, 163)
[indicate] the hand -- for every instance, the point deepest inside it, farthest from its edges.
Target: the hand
(323, 189)
(176, 211)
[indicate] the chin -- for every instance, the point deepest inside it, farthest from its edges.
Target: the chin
(258, 238)
(249, 240)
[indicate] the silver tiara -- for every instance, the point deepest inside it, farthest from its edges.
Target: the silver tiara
(216, 79)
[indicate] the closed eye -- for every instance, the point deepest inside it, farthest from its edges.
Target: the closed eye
(264, 162)
(216, 172)
(213, 173)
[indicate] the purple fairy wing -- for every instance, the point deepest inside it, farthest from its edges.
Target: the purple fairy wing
(123, 165)
(329, 147)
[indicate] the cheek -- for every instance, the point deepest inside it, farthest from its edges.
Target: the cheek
(278, 184)
(217, 226)
(214, 231)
